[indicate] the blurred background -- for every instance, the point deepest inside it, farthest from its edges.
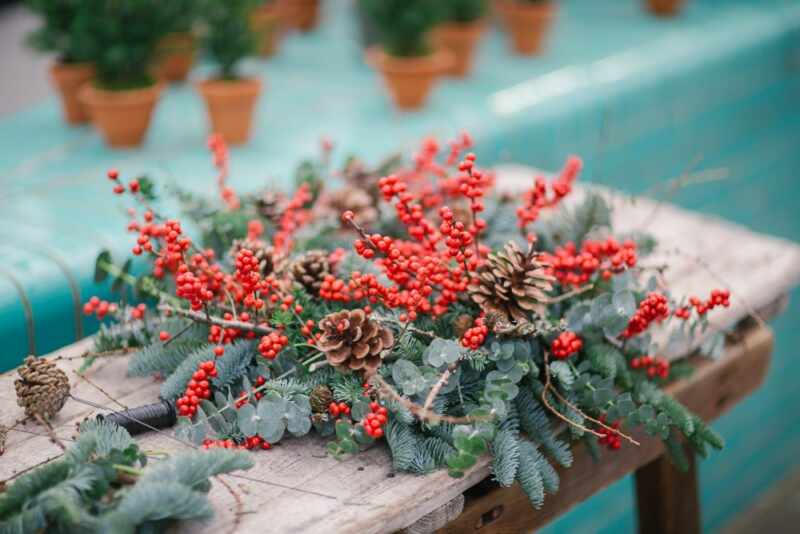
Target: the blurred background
(644, 90)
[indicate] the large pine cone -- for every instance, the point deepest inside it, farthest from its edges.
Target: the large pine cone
(351, 340)
(512, 283)
(356, 200)
(263, 252)
(321, 396)
(271, 205)
(310, 270)
(42, 388)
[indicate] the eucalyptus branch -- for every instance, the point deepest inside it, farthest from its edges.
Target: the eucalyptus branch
(420, 412)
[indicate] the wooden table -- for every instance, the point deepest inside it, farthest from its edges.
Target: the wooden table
(296, 487)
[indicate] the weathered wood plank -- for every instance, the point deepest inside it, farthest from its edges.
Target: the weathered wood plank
(667, 499)
(362, 494)
(714, 388)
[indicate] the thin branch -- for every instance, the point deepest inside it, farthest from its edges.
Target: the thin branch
(387, 391)
(212, 320)
(568, 294)
(439, 385)
(100, 389)
(237, 499)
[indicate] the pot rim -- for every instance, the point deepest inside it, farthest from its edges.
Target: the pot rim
(435, 62)
(91, 95)
(216, 86)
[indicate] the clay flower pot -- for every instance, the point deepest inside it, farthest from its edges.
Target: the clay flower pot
(302, 14)
(265, 22)
(664, 8)
(230, 106)
(460, 40)
(176, 56)
(68, 78)
(122, 117)
(409, 79)
(527, 23)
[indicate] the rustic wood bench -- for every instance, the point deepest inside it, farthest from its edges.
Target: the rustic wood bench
(296, 487)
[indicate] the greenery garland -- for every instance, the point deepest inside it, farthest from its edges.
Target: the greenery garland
(420, 307)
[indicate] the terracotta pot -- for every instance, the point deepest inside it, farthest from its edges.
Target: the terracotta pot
(68, 79)
(175, 54)
(302, 14)
(460, 40)
(266, 24)
(230, 106)
(527, 23)
(664, 8)
(409, 79)
(122, 117)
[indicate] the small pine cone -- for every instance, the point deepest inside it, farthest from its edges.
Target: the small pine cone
(263, 252)
(271, 205)
(310, 270)
(351, 340)
(512, 283)
(320, 398)
(3, 436)
(42, 388)
(354, 199)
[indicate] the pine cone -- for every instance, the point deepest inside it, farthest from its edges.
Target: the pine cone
(271, 205)
(310, 270)
(512, 283)
(263, 252)
(320, 398)
(351, 340)
(42, 388)
(356, 200)
(3, 435)
(461, 324)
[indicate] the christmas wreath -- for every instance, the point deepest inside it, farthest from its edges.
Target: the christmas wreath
(415, 304)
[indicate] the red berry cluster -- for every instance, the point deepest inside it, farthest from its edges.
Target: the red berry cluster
(197, 389)
(474, 337)
(610, 438)
(138, 312)
(457, 239)
(337, 409)
(719, 297)
(98, 307)
(537, 198)
(252, 443)
(375, 420)
(575, 268)
(271, 344)
(565, 345)
(653, 365)
(219, 152)
(292, 218)
(653, 308)
(247, 271)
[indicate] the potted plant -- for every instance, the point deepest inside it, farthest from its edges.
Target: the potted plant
(124, 36)
(61, 33)
(409, 65)
(266, 21)
(302, 14)
(665, 8)
(527, 21)
(176, 50)
(460, 30)
(230, 98)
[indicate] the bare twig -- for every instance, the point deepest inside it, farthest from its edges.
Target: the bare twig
(50, 432)
(439, 385)
(387, 391)
(212, 320)
(83, 377)
(237, 499)
(569, 294)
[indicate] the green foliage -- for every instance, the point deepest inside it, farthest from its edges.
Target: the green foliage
(505, 452)
(83, 492)
(123, 37)
(463, 11)
(402, 25)
(229, 39)
(61, 30)
(529, 475)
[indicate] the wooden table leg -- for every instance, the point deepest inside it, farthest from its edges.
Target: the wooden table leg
(667, 498)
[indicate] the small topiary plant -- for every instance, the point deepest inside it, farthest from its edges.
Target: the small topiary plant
(463, 11)
(229, 39)
(124, 35)
(61, 31)
(403, 25)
